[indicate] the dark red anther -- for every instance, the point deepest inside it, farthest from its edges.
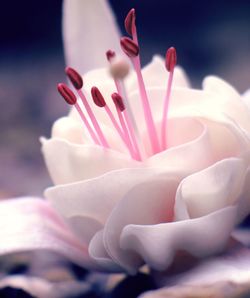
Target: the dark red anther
(171, 59)
(118, 101)
(74, 77)
(129, 47)
(66, 93)
(130, 21)
(110, 55)
(97, 97)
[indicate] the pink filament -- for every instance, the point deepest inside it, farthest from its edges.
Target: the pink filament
(121, 133)
(126, 134)
(129, 123)
(93, 119)
(86, 123)
(165, 111)
(146, 107)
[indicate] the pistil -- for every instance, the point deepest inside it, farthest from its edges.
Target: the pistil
(119, 69)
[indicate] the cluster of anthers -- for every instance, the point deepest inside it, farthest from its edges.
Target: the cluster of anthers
(126, 126)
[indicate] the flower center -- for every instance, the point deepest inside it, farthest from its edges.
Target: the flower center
(126, 127)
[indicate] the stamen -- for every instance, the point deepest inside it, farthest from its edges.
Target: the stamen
(117, 99)
(129, 47)
(89, 111)
(67, 94)
(110, 55)
(129, 22)
(126, 126)
(132, 50)
(170, 62)
(97, 97)
(130, 25)
(100, 101)
(74, 77)
(71, 99)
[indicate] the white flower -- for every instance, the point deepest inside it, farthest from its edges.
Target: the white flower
(118, 212)
(187, 197)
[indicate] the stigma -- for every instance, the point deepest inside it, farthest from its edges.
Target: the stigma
(122, 120)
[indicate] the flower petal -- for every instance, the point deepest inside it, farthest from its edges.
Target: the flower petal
(147, 203)
(89, 30)
(244, 200)
(246, 98)
(69, 129)
(155, 75)
(98, 252)
(189, 146)
(200, 237)
(104, 191)
(226, 100)
(31, 224)
(211, 189)
(69, 162)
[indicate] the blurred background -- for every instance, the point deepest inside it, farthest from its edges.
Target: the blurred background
(211, 37)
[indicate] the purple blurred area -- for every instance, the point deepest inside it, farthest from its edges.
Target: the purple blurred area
(211, 37)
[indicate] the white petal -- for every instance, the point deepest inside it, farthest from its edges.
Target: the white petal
(189, 146)
(220, 87)
(226, 99)
(31, 224)
(184, 102)
(89, 30)
(244, 200)
(71, 130)
(68, 162)
(211, 189)
(147, 203)
(95, 198)
(98, 252)
(246, 98)
(200, 237)
(155, 75)
(90, 202)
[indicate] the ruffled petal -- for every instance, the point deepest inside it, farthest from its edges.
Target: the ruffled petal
(200, 237)
(211, 189)
(69, 163)
(147, 203)
(91, 202)
(98, 252)
(96, 198)
(189, 146)
(31, 224)
(89, 30)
